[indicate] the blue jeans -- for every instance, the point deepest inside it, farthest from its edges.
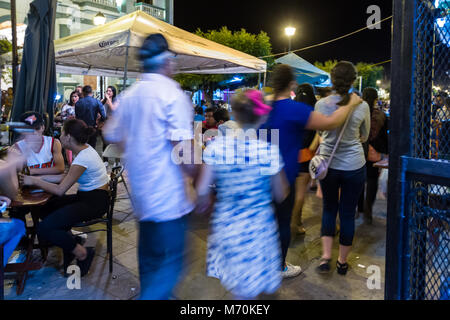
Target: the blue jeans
(161, 252)
(350, 184)
(10, 234)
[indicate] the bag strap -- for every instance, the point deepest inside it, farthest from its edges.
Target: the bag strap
(339, 139)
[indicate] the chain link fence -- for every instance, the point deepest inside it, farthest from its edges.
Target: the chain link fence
(429, 233)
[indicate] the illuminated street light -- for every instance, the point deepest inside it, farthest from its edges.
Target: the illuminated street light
(378, 82)
(290, 31)
(99, 19)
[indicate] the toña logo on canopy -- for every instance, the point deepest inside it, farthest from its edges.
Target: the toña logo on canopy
(107, 43)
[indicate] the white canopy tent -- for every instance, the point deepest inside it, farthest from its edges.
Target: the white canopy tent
(111, 50)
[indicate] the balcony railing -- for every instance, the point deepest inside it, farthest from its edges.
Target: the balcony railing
(156, 12)
(107, 3)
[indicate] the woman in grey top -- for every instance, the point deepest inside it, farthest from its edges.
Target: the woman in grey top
(346, 175)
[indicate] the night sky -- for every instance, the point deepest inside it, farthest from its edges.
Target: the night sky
(316, 21)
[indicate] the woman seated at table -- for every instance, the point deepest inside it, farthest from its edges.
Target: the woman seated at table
(43, 153)
(90, 202)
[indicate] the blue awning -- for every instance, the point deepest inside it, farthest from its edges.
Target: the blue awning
(305, 72)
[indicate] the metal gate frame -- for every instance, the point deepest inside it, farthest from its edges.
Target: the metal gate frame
(404, 165)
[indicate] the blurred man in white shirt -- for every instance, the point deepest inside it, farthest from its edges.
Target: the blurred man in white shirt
(150, 118)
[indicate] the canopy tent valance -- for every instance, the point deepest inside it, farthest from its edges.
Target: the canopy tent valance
(103, 50)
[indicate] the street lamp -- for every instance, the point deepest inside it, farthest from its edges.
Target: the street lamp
(378, 82)
(290, 31)
(99, 19)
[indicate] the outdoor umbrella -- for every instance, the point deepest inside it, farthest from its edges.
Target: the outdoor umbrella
(37, 78)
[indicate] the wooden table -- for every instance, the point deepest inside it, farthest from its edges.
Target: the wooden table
(32, 200)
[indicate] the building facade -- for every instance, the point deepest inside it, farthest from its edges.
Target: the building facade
(74, 16)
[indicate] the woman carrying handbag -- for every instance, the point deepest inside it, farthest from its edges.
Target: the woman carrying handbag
(340, 166)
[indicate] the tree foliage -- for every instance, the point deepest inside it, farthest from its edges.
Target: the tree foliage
(5, 46)
(255, 45)
(370, 73)
(327, 65)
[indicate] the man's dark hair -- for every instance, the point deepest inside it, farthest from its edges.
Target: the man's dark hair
(442, 94)
(87, 90)
(153, 45)
(221, 114)
(210, 110)
(33, 119)
(199, 110)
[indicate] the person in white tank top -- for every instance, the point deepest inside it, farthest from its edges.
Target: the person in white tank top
(43, 153)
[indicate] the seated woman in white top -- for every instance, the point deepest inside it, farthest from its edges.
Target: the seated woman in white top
(90, 202)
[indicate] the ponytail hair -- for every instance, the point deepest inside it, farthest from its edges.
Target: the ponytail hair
(343, 75)
(79, 130)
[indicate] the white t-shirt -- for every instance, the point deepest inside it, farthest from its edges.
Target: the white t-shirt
(95, 174)
(151, 114)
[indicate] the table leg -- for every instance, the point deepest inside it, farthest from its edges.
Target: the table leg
(2, 273)
(43, 248)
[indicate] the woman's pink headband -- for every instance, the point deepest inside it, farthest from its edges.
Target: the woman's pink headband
(260, 108)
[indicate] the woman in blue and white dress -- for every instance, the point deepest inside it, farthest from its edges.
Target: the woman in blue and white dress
(243, 245)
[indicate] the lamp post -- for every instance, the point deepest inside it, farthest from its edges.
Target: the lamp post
(289, 31)
(99, 19)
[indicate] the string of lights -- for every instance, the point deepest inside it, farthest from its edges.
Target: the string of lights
(329, 41)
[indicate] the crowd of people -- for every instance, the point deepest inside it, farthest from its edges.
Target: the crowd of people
(254, 171)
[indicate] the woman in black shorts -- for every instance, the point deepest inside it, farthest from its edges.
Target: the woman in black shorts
(304, 94)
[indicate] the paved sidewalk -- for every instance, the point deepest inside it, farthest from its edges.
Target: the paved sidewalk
(369, 249)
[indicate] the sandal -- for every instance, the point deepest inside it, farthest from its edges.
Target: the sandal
(324, 267)
(86, 263)
(341, 268)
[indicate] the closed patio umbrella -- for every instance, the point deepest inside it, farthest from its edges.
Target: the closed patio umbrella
(36, 88)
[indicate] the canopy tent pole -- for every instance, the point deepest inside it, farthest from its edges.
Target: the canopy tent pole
(101, 87)
(126, 62)
(265, 75)
(259, 81)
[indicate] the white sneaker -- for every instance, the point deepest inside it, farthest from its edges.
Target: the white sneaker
(81, 235)
(291, 271)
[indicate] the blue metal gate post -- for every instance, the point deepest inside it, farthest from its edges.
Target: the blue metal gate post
(399, 139)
